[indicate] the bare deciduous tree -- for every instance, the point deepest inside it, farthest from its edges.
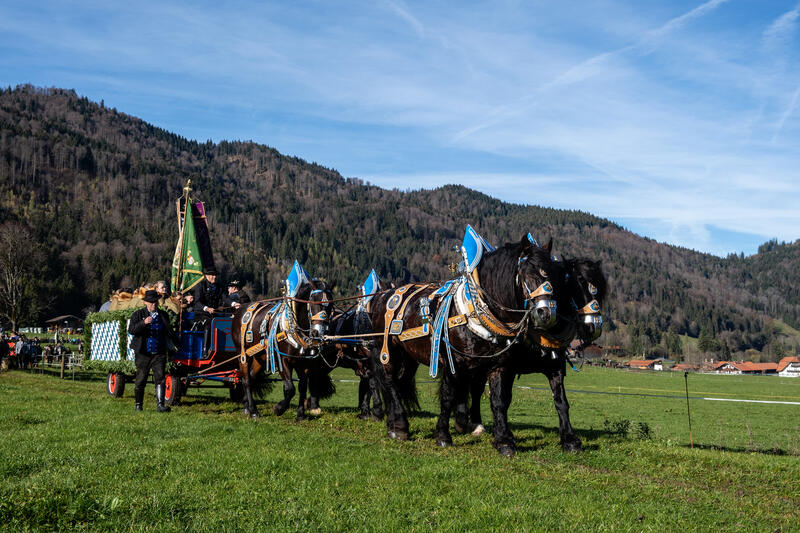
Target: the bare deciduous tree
(20, 258)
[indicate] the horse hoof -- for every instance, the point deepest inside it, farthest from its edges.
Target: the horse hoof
(254, 415)
(397, 435)
(315, 412)
(363, 416)
(572, 446)
(506, 450)
(478, 431)
(375, 418)
(300, 418)
(444, 442)
(278, 410)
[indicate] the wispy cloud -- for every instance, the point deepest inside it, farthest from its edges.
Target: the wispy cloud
(401, 10)
(672, 119)
(781, 31)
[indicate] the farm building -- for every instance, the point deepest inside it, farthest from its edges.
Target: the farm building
(652, 364)
(744, 367)
(789, 367)
(685, 367)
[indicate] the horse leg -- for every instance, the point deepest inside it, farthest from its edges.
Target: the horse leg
(249, 404)
(374, 391)
(396, 421)
(500, 386)
(363, 398)
(569, 440)
(288, 390)
(449, 396)
(302, 387)
(314, 377)
(468, 420)
(477, 387)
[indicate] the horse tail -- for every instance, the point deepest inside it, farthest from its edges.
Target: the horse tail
(260, 384)
(322, 385)
(407, 386)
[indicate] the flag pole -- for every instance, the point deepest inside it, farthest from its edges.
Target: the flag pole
(181, 236)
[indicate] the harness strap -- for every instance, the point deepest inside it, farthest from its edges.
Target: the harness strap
(246, 332)
(411, 297)
(591, 308)
(485, 316)
(415, 333)
(391, 306)
(541, 290)
(549, 343)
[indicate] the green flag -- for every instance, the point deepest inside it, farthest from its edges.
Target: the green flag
(187, 266)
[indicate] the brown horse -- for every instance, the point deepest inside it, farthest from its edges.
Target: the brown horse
(515, 292)
(285, 337)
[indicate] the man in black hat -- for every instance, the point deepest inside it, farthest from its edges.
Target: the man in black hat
(150, 329)
(236, 297)
(207, 303)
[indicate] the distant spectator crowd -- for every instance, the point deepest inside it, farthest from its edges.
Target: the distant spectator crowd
(21, 352)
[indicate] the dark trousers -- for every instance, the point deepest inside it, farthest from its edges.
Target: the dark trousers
(143, 365)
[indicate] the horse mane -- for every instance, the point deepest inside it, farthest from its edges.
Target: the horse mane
(500, 266)
(496, 268)
(592, 272)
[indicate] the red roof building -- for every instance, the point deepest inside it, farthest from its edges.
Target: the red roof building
(650, 364)
(789, 367)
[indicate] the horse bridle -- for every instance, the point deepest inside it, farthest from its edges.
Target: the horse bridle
(541, 296)
(590, 314)
(317, 321)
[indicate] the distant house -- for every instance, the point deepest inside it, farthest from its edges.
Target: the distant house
(744, 367)
(725, 367)
(767, 368)
(615, 350)
(789, 367)
(652, 364)
(65, 322)
(685, 367)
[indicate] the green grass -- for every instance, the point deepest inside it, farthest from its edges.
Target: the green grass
(73, 458)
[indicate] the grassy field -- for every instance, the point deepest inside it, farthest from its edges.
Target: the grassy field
(73, 458)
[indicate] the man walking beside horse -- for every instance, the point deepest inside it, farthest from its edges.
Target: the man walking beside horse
(150, 329)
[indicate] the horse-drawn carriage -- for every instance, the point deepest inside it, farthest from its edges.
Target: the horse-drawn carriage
(510, 310)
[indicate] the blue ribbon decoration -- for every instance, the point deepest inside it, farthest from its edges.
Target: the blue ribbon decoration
(441, 331)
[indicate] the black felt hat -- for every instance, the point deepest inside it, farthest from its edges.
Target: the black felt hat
(236, 281)
(151, 296)
(210, 271)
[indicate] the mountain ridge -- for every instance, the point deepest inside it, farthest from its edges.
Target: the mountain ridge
(96, 188)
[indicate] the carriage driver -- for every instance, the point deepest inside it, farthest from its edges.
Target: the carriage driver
(150, 329)
(207, 303)
(236, 297)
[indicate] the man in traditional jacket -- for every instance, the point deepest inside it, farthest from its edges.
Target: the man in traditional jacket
(150, 329)
(236, 297)
(207, 303)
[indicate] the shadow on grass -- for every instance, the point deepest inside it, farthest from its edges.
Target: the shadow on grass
(740, 449)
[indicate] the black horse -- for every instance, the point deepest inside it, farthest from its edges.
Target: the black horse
(515, 291)
(354, 353)
(587, 288)
(286, 337)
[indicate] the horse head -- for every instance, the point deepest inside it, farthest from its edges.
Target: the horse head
(320, 307)
(541, 280)
(587, 287)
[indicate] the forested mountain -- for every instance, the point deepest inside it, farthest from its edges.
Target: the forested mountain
(94, 189)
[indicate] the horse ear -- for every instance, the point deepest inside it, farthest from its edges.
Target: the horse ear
(526, 243)
(549, 246)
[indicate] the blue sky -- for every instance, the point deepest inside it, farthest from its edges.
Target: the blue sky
(678, 119)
